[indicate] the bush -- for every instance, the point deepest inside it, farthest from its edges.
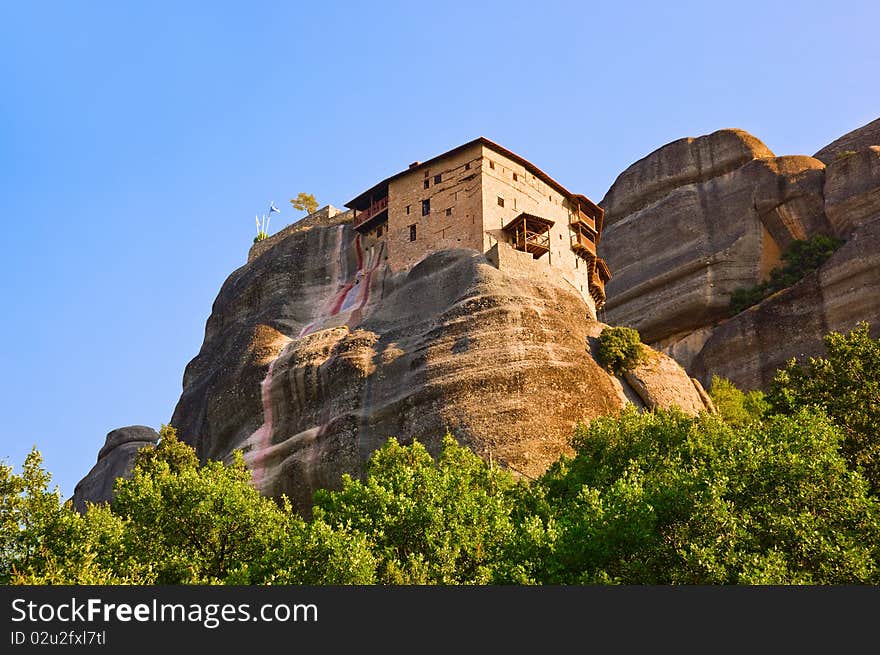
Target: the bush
(620, 349)
(735, 406)
(261, 236)
(846, 385)
(800, 258)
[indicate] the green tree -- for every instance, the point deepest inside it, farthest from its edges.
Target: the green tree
(620, 349)
(665, 498)
(735, 406)
(429, 522)
(305, 202)
(208, 524)
(44, 541)
(846, 385)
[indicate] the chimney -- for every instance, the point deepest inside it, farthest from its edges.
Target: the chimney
(414, 164)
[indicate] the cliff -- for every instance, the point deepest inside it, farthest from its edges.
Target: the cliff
(700, 217)
(314, 354)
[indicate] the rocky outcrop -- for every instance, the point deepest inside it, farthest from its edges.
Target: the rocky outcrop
(859, 139)
(115, 460)
(680, 163)
(679, 250)
(698, 219)
(852, 190)
(749, 347)
(315, 354)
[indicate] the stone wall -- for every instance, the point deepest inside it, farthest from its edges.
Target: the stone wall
(529, 194)
(326, 215)
(454, 218)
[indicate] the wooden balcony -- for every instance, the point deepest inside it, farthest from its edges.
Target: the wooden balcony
(584, 219)
(583, 243)
(367, 219)
(529, 233)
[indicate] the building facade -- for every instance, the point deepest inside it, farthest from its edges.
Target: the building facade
(477, 196)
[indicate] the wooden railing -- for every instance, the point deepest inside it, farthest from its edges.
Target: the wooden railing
(376, 208)
(581, 240)
(584, 218)
(540, 239)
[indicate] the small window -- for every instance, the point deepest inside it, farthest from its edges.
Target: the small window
(426, 207)
(467, 166)
(514, 203)
(560, 237)
(491, 164)
(427, 173)
(438, 179)
(427, 183)
(500, 201)
(407, 209)
(550, 198)
(378, 231)
(515, 177)
(449, 211)
(412, 232)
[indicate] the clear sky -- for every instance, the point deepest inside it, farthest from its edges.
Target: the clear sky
(138, 140)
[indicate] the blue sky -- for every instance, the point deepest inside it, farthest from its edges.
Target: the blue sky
(137, 141)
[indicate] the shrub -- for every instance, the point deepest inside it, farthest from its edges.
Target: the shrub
(800, 258)
(620, 349)
(261, 236)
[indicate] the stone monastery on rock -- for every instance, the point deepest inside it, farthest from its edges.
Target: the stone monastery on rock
(477, 196)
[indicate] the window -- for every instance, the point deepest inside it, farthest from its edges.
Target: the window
(427, 173)
(426, 207)
(379, 231)
(467, 166)
(491, 164)
(514, 177)
(412, 232)
(407, 209)
(427, 183)
(438, 179)
(514, 203)
(500, 201)
(449, 211)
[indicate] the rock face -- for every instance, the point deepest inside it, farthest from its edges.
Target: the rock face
(314, 355)
(852, 190)
(114, 460)
(697, 219)
(859, 139)
(682, 236)
(749, 347)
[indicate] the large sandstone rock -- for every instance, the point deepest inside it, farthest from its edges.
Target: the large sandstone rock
(314, 355)
(749, 347)
(852, 190)
(683, 235)
(115, 460)
(696, 220)
(859, 139)
(686, 161)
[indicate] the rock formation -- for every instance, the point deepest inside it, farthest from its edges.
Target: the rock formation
(114, 460)
(315, 354)
(863, 137)
(699, 218)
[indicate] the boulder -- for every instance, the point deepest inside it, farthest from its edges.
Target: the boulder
(115, 460)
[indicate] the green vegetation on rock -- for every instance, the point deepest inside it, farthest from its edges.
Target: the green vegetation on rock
(800, 258)
(620, 349)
